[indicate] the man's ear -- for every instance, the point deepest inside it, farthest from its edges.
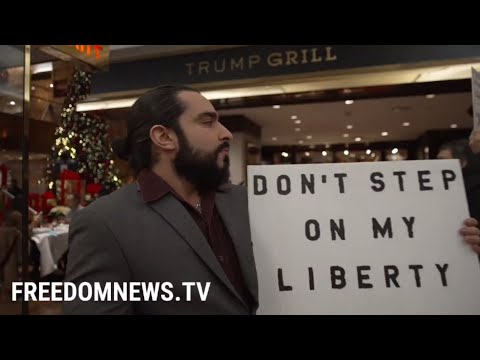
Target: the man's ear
(163, 137)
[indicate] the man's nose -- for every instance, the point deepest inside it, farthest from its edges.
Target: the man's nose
(225, 134)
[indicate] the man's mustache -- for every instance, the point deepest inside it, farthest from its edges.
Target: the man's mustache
(222, 146)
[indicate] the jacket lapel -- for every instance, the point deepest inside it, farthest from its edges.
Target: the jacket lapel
(238, 227)
(178, 217)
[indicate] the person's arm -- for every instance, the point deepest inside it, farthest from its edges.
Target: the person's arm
(94, 257)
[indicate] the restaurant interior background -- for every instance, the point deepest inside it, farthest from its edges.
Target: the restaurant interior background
(400, 113)
(316, 120)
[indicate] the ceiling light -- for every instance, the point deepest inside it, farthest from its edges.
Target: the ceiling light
(106, 104)
(368, 151)
(346, 152)
(406, 123)
(297, 122)
(274, 138)
(348, 102)
(41, 68)
(430, 96)
(276, 106)
(454, 126)
(345, 135)
(349, 127)
(297, 129)
(307, 153)
(12, 102)
(394, 151)
(309, 137)
(324, 153)
(285, 154)
(51, 85)
(358, 139)
(242, 92)
(294, 117)
(300, 142)
(384, 133)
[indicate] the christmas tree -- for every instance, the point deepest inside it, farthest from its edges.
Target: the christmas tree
(81, 141)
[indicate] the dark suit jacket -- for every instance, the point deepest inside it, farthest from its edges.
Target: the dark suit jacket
(472, 188)
(119, 238)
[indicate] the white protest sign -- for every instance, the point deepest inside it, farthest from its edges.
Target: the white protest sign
(362, 238)
(476, 98)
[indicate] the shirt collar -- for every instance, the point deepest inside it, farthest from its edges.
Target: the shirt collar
(151, 186)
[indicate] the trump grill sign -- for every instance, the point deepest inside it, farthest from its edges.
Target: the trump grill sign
(362, 238)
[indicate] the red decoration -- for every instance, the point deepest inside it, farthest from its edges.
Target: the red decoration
(48, 201)
(93, 189)
(71, 182)
(34, 201)
(4, 175)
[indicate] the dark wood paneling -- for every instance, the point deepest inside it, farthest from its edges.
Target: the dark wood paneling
(240, 123)
(42, 134)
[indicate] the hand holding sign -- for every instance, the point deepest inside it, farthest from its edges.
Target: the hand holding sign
(475, 141)
(471, 234)
(365, 238)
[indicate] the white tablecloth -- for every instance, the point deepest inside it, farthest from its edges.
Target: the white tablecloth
(52, 244)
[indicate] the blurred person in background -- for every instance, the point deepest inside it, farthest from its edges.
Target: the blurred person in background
(470, 163)
(73, 202)
(474, 140)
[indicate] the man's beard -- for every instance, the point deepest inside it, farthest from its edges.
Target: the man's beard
(201, 169)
